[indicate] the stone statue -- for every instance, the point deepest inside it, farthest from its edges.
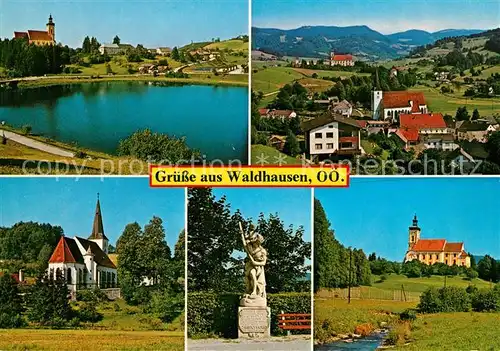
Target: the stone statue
(255, 279)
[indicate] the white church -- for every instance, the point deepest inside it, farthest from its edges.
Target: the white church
(388, 105)
(85, 263)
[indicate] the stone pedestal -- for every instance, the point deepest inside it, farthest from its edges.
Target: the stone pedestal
(254, 322)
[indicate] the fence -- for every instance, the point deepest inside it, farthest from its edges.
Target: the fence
(368, 293)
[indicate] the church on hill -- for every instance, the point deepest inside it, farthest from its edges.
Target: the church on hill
(40, 37)
(84, 263)
(430, 251)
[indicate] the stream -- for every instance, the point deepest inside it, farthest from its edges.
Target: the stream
(369, 343)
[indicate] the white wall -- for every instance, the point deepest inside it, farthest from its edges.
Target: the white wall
(332, 127)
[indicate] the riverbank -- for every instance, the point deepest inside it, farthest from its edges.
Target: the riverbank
(227, 80)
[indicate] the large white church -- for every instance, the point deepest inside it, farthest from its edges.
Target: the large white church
(84, 263)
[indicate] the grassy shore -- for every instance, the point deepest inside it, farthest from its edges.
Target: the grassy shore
(271, 155)
(200, 79)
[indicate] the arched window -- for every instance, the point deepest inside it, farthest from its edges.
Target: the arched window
(51, 277)
(113, 277)
(58, 273)
(68, 276)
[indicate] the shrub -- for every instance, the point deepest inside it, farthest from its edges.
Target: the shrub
(408, 315)
(448, 299)
(399, 334)
(9, 320)
(485, 301)
(91, 295)
(26, 129)
(165, 305)
(88, 313)
(364, 329)
(217, 314)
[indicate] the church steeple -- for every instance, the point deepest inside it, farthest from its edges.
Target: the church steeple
(413, 233)
(51, 28)
(98, 235)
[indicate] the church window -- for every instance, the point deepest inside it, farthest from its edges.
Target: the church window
(68, 276)
(58, 273)
(51, 273)
(113, 276)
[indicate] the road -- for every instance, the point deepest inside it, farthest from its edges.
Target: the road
(34, 144)
(272, 344)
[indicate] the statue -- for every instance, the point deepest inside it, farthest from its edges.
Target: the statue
(255, 279)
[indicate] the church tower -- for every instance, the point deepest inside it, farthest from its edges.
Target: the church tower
(414, 233)
(97, 235)
(51, 28)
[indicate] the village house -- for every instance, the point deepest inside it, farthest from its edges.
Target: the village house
(332, 134)
(431, 251)
(163, 51)
(429, 130)
(373, 127)
(277, 141)
(474, 130)
(341, 60)
(281, 114)
(40, 37)
(110, 49)
(343, 108)
(85, 263)
(388, 105)
(396, 69)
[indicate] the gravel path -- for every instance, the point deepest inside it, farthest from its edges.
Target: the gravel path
(272, 344)
(34, 144)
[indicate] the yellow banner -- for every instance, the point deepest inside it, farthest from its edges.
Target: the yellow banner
(249, 176)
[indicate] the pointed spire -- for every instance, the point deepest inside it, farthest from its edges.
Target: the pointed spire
(415, 221)
(97, 227)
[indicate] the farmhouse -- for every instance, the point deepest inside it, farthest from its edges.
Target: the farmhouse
(110, 49)
(40, 37)
(430, 251)
(428, 129)
(473, 130)
(332, 134)
(341, 60)
(388, 105)
(281, 114)
(84, 263)
(343, 108)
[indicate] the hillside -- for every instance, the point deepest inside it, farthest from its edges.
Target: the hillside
(361, 41)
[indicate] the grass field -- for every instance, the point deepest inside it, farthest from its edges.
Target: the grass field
(455, 331)
(273, 78)
(235, 44)
(323, 73)
(395, 281)
(448, 104)
(83, 340)
(273, 155)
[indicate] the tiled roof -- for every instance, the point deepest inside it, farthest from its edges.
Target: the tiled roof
(426, 245)
(328, 118)
(39, 35)
(100, 256)
(19, 35)
(342, 57)
(409, 134)
(284, 113)
(66, 251)
(454, 247)
(422, 121)
(397, 99)
(263, 111)
(463, 254)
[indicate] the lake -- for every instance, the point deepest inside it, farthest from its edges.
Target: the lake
(96, 116)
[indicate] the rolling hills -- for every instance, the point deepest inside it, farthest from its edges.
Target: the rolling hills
(361, 41)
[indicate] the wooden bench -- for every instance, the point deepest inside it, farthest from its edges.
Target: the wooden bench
(294, 321)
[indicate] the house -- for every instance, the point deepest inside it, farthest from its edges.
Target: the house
(332, 134)
(277, 141)
(373, 127)
(396, 69)
(163, 51)
(431, 251)
(85, 263)
(110, 49)
(281, 114)
(474, 130)
(341, 60)
(40, 37)
(428, 129)
(148, 68)
(343, 108)
(388, 105)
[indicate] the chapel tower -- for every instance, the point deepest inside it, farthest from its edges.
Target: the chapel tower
(51, 28)
(413, 233)
(97, 235)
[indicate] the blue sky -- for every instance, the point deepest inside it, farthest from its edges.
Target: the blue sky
(385, 16)
(70, 203)
(292, 205)
(374, 213)
(151, 23)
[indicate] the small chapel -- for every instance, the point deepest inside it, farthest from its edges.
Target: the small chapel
(84, 263)
(430, 251)
(40, 37)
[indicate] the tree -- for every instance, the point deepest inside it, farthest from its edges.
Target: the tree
(10, 303)
(116, 40)
(175, 54)
(155, 252)
(213, 235)
(493, 147)
(287, 254)
(462, 114)
(86, 47)
(292, 146)
(475, 114)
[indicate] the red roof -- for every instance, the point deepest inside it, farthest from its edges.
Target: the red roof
(422, 121)
(426, 245)
(454, 247)
(408, 134)
(39, 35)
(361, 123)
(20, 35)
(463, 254)
(397, 99)
(284, 113)
(342, 58)
(62, 253)
(263, 111)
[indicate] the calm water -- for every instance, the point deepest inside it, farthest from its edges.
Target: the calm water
(98, 115)
(369, 343)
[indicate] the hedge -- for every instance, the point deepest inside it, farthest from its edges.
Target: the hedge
(213, 314)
